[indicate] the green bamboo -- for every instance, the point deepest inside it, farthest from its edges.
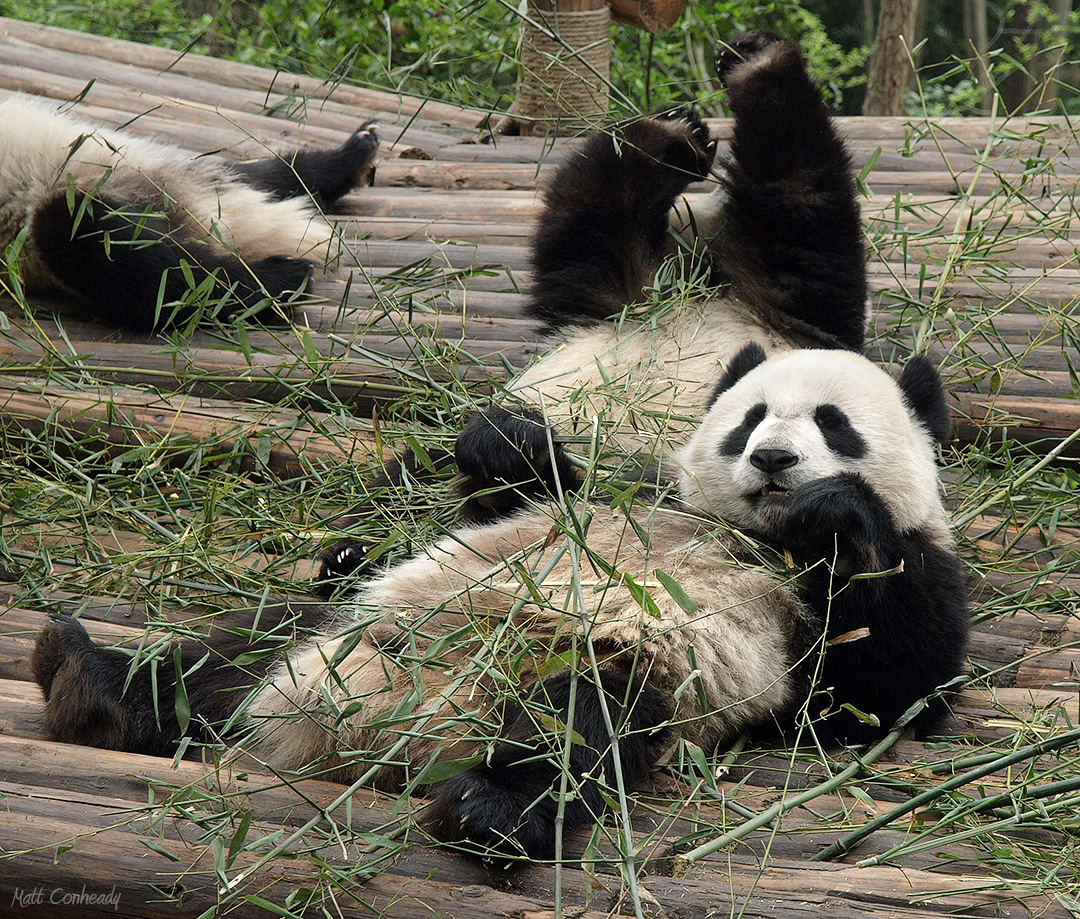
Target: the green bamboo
(1018, 756)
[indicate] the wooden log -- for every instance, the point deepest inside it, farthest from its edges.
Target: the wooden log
(123, 418)
(175, 101)
(71, 849)
(518, 206)
(179, 879)
(403, 173)
(364, 371)
(1028, 420)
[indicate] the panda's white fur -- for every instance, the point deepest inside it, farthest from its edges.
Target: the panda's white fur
(473, 583)
(643, 384)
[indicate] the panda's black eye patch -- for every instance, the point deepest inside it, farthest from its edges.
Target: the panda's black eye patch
(840, 436)
(735, 442)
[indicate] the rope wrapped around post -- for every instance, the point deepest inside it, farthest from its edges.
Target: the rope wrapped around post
(565, 68)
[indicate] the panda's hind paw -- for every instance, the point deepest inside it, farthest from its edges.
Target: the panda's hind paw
(498, 821)
(81, 683)
(741, 50)
(51, 650)
(360, 150)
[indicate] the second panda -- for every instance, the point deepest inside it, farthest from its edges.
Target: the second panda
(137, 230)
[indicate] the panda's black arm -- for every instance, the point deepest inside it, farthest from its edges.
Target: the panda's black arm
(604, 227)
(506, 807)
(325, 175)
(791, 236)
(902, 634)
(90, 700)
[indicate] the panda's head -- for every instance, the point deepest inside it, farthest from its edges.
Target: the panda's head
(776, 424)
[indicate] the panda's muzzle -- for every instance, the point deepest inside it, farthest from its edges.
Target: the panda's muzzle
(773, 461)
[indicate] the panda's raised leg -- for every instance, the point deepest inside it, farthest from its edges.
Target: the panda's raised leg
(505, 808)
(325, 175)
(133, 269)
(604, 227)
(505, 458)
(791, 237)
(93, 698)
(896, 600)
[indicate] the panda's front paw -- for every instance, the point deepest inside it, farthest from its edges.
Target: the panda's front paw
(841, 521)
(676, 138)
(505, 445)
(502, 454)
(341, 563)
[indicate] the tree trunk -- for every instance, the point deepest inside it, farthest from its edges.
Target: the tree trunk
(977, 38)
(890, 63)
(1036, 41)
(866, 17)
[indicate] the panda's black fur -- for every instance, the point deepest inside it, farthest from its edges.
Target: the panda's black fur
(130, 226)
(799, 573)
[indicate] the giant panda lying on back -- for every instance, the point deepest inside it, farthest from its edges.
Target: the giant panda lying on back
(131, 226)
(519, 642)
(665, 619)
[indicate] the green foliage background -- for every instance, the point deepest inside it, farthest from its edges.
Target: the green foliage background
(464, 51)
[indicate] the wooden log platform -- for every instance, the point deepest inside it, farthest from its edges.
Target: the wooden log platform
(972, 233)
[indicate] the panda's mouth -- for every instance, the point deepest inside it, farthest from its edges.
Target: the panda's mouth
(769, 506)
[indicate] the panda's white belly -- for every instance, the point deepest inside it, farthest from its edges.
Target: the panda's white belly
(462, 624)
(642, 385)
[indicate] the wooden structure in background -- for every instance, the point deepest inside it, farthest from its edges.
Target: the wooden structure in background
(442, 207)
(565, 61)
(564, 68)
(652, 15)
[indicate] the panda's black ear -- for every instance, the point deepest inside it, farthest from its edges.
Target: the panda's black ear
(924, 392)
(741, 364)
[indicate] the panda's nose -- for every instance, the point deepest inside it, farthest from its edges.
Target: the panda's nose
(769, 460)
